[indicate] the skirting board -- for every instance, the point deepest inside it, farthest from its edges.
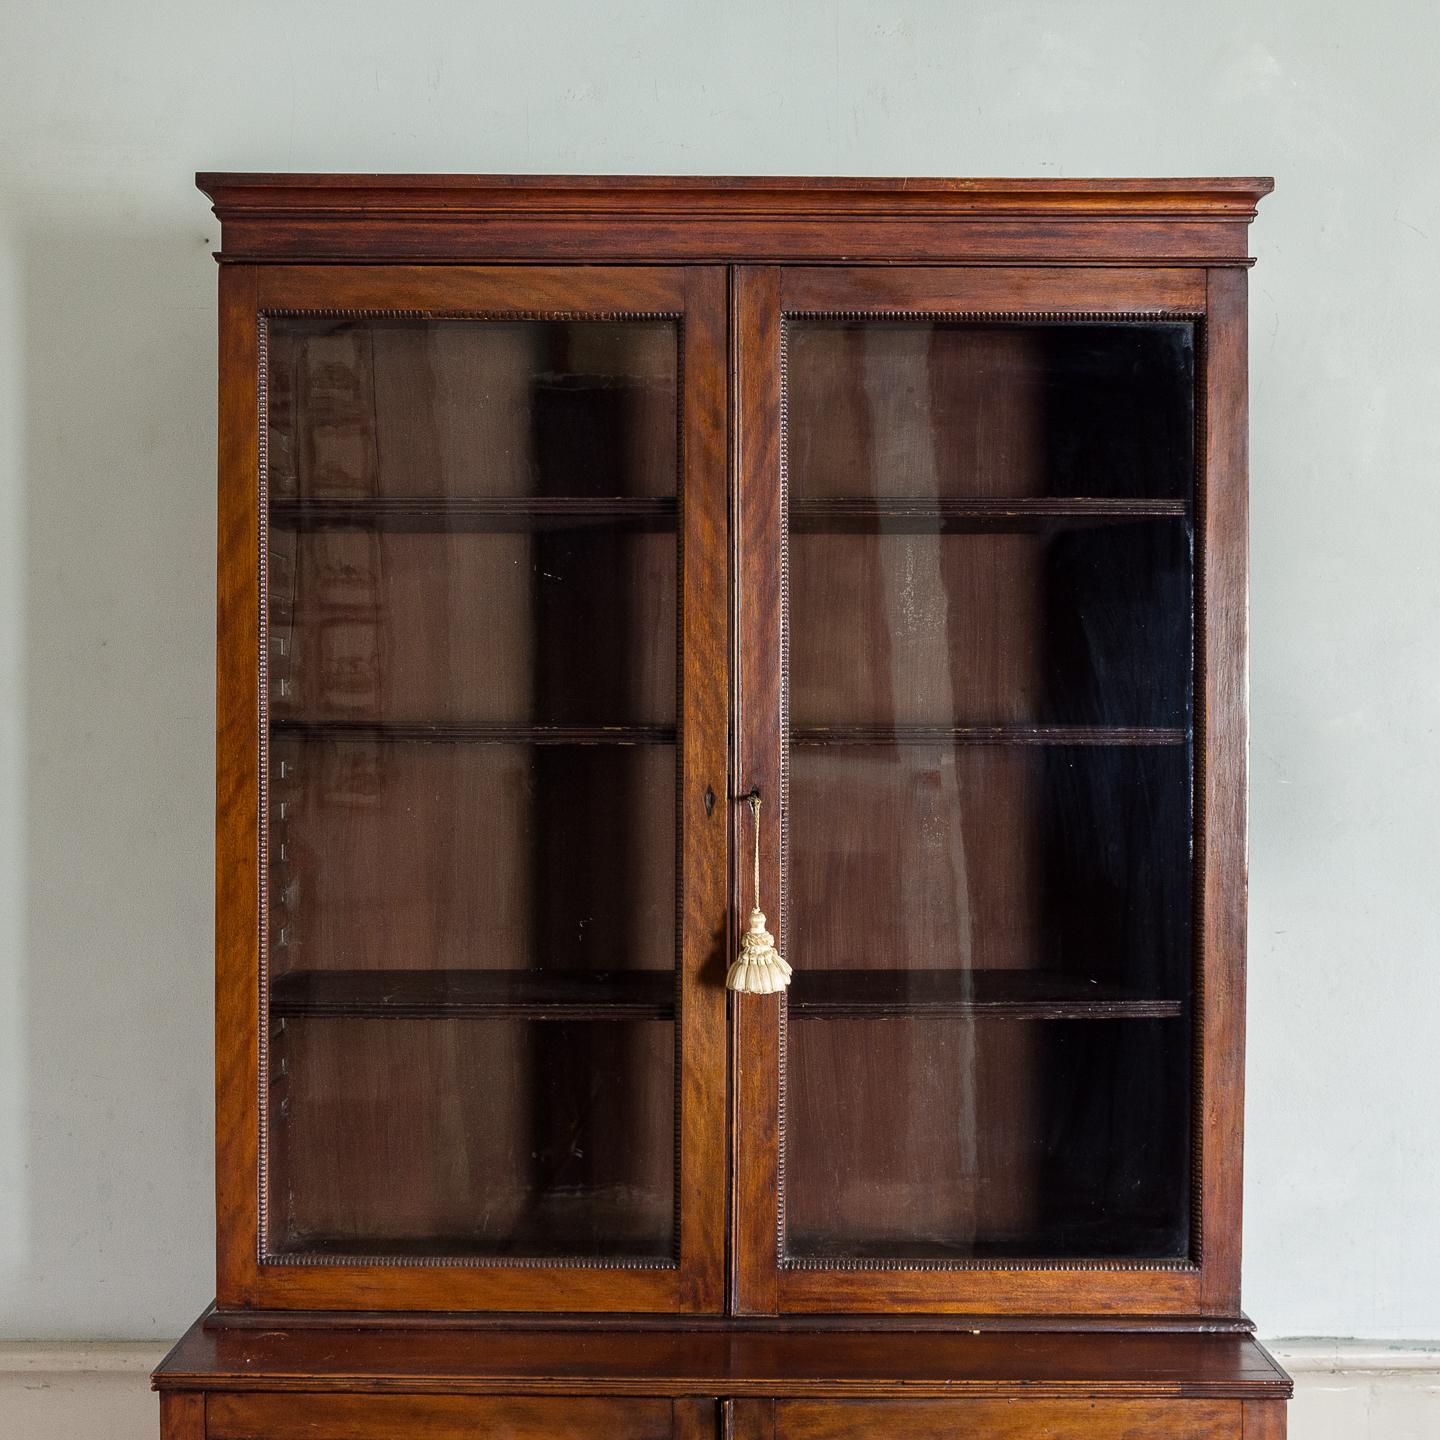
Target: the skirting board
(1344, 1390)
(75, 1392)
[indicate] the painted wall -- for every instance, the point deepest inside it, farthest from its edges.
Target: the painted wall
(107, 512)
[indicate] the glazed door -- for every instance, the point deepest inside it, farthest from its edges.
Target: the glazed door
(473, 546)
(977, 540)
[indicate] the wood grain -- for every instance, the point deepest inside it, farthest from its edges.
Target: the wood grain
(1005, 1420)
(480, 290)
(861, 994)
(475, 732)
(501, 514)
(704, 761)
(1055, 1289)
(994, 290)
(669, 1362)
(750, 1420)
(434, 1417)
(1263, 1420)
(182, 1416)
(433, 994)
(1223, 747)
(758, 681)
(994, 1323)
(596, 219)
(705, 193)
(695, 1419)
(1019, 734)
(984, 516)
(237, 789)
(524, 1288)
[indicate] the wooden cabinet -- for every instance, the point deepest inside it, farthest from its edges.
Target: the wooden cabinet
(557, 519)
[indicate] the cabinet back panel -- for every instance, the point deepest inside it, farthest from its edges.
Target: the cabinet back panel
(1081, 625)
(1070, 859)
(407, 855)
(364, 407)
(472, 1138)
(471, 593)
(560, 627)
(923, 1140)
(989, 875)
(903, 407)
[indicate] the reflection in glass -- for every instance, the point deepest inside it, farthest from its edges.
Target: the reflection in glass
(988, 829)
(488, 1138)
(471, 578)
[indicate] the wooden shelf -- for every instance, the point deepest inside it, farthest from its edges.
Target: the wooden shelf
(972, 515)
(807, 735)
(582, 995)
(819, 735)
(573, 995)
(475, 734)
(485, 513)
(999, 994)
(286, 1356)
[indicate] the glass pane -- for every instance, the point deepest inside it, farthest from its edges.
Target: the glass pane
(902, 408)
(1069, 625)
(485, 1137)
(471, 674)
(989, 818)
(462, 408)
(555, 627)
(403, 855)
(921, 1139)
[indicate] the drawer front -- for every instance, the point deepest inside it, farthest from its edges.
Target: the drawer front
(438, 1417)
(1008, 1420)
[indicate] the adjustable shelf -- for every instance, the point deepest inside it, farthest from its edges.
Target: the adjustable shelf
(952, 994)
(973, 514)
(583, 995)
(821, 735)
(474, 734)
(481, 513)
(570, 995)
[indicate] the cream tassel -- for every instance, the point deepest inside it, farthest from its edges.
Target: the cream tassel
(759, 969)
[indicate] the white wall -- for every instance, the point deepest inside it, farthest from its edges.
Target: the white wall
(107, 545)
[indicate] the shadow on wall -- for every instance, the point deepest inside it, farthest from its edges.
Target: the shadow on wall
(116, 460)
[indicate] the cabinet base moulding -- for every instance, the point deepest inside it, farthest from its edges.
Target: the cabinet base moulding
(223, 1383)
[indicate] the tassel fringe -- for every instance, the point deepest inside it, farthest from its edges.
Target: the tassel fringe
(759, 969)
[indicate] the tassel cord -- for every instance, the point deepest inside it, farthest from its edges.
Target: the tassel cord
(755, 815)
(759, 968)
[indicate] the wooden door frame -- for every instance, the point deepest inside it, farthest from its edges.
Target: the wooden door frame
(246, 1278)
(1207, 1284)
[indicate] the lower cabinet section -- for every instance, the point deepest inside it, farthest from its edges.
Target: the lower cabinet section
(1014, 1420)
(449, 1417)
(290, 1416)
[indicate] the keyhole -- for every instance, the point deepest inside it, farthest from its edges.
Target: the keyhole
(709, 802)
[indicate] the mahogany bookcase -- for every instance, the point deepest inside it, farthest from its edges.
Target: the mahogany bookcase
(559, 516)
